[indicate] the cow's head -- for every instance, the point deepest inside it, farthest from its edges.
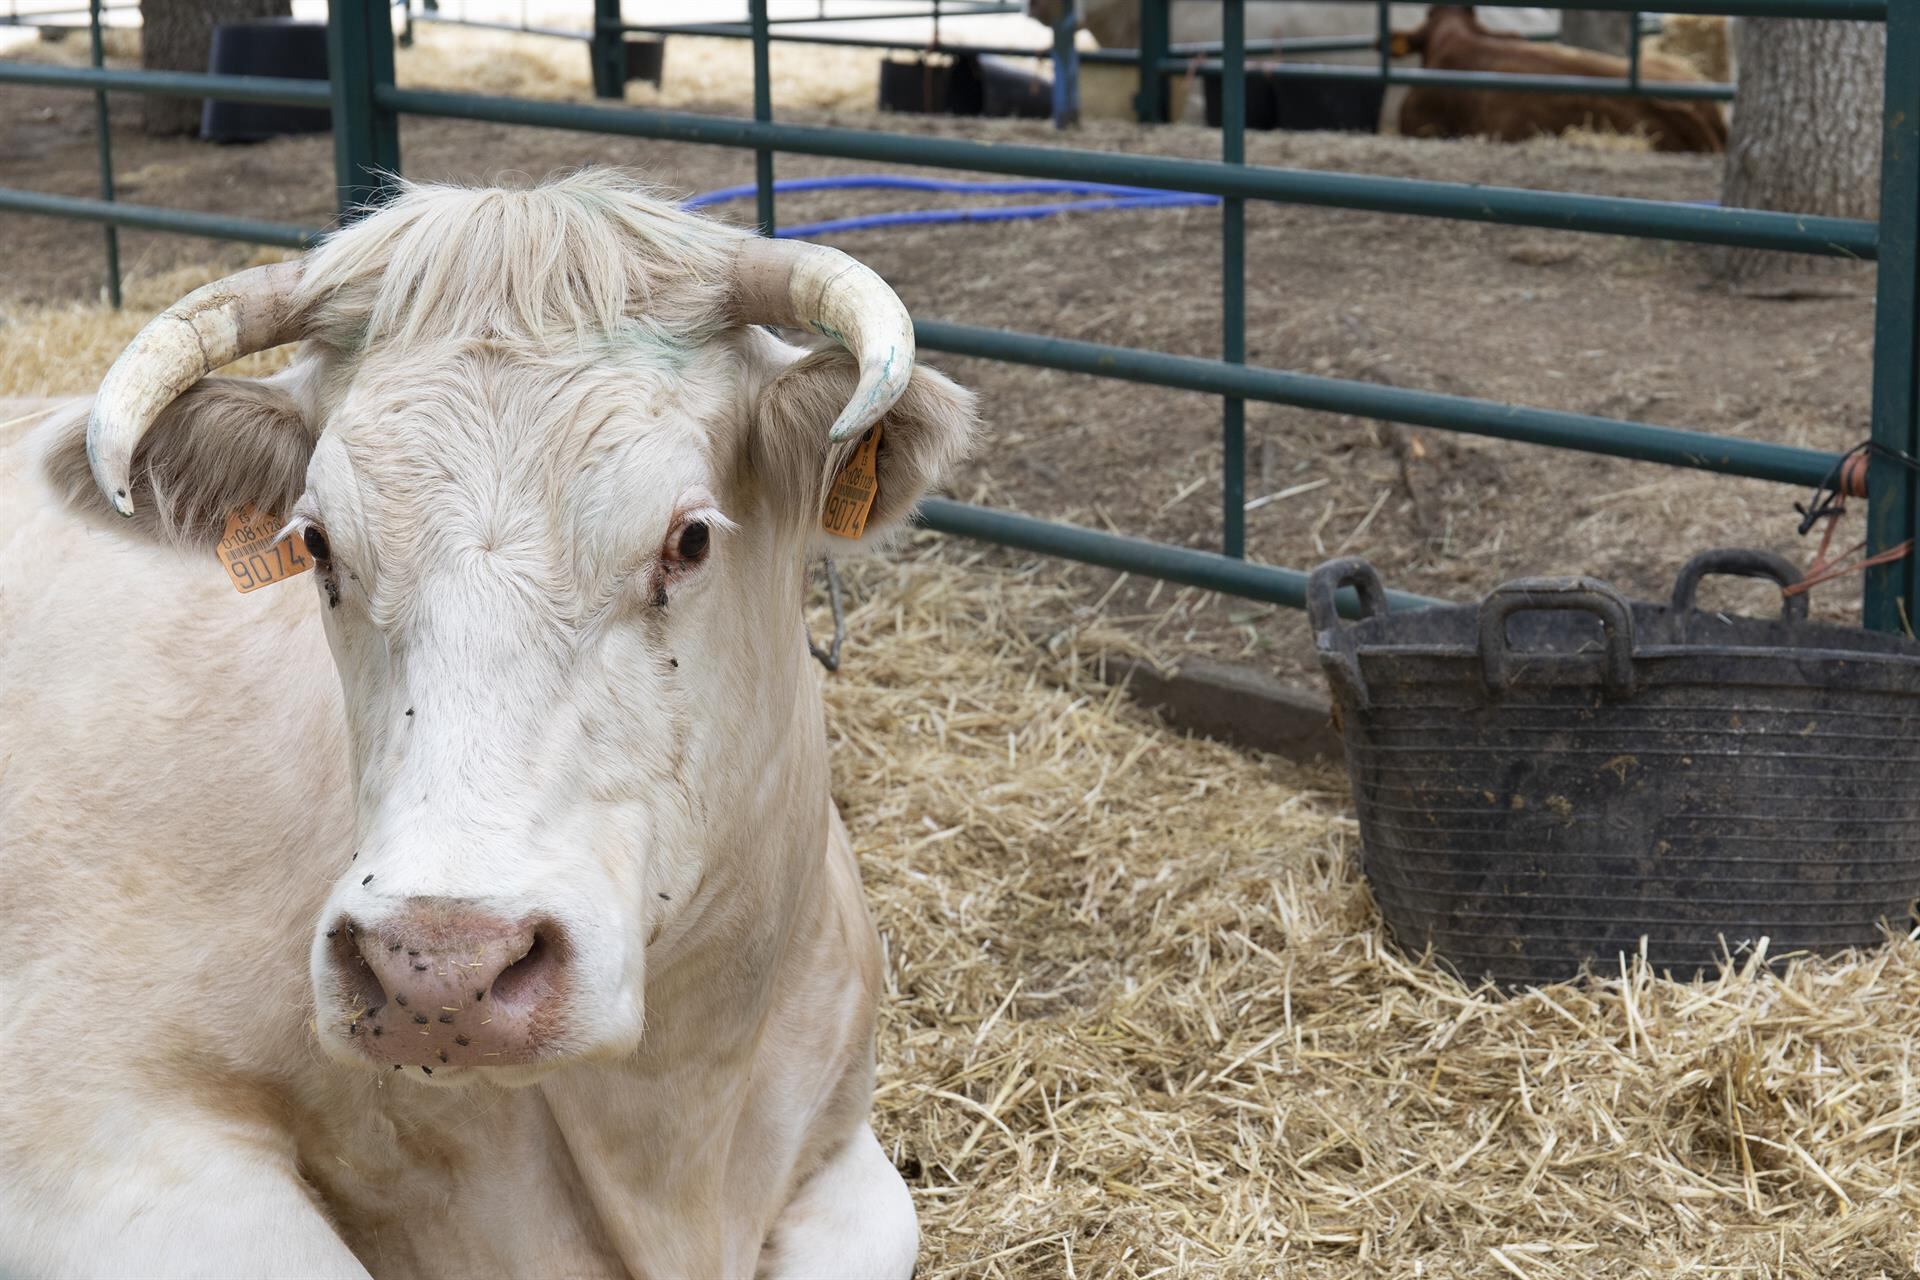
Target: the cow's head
(1441, 18)
(560, 490)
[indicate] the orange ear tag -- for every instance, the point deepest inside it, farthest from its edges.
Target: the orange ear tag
(851, 497)
(251, 556)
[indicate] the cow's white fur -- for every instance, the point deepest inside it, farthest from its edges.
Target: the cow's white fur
(509, 398)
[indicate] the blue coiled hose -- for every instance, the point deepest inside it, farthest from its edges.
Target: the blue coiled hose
(1102, 196)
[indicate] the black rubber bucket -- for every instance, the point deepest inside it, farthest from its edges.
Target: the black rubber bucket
(1547, 778)
(646, 58)
(988, 86)
(269, 47)
(1275, 102)
(921, 86)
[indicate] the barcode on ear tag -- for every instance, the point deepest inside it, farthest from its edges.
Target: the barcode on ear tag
(251, 556)
(851, 496)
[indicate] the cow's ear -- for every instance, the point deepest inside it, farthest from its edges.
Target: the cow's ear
(224, 443)
(921, 438)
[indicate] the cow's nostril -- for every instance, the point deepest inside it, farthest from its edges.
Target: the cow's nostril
(530, 977)
(360, 988)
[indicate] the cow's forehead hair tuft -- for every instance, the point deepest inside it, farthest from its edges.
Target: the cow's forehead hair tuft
(565, 264)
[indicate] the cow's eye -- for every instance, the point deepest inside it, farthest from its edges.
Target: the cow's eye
(316, 539)
(688, 543)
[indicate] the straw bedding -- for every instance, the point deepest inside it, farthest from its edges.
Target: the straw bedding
(1142, 1019)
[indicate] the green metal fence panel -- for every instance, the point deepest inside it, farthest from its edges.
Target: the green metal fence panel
(608, 51)
(1233, 286)
(172, 84)
(1583, 433)
(366, 133)
(1507, 206)
(1150, 100)
(1185, 565)
(1496, 81)
(210, 226)
(1893, 516)
(367, 105)
(762, 114)
(103, 144)
(1853, 10)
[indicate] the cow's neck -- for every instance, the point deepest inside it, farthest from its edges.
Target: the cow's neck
(657, 1135)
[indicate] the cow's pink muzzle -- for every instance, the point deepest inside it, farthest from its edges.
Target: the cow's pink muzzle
(444, 983)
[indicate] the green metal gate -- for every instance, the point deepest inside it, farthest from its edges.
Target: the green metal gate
(368, 105)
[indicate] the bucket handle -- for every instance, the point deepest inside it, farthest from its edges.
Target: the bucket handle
(1543, 595)
(1739, 562)
(1323, 589)
(1337, 657)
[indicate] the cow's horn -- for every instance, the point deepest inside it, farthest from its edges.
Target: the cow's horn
(809, 286)
(210, 327)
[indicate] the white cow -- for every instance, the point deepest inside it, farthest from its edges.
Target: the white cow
(476, 905)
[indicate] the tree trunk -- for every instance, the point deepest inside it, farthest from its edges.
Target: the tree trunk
(1595, 29)
(176, 35)
(1805, 135)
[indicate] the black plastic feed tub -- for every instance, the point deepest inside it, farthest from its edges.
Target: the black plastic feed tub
(266, 47)
(1301, 105)
(1548, 777)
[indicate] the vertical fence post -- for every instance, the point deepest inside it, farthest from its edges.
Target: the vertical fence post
(762, 111)
(608, 51)
(1383, 32)
(1233, 279)
(103, 142)
(1633, 50)
(1893, 514)
(1066, 72)
(366, 136)
(1150, 103)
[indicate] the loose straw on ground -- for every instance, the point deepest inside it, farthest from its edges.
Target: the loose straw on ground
(1142, 1019)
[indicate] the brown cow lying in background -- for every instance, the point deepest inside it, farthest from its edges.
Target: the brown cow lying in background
(1452, 39)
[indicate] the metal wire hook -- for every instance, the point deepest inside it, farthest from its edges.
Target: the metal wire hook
(830, 656)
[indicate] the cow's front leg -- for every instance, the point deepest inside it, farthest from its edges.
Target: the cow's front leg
(176, 1201)
(852, 1220)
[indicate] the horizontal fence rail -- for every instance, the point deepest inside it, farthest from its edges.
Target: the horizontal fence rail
(173, 84)
(367, 106)
(1508, 206)
(211, 226)
(1582, 433)
(1185, 565)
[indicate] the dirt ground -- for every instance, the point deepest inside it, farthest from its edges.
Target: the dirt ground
(1591, 324)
